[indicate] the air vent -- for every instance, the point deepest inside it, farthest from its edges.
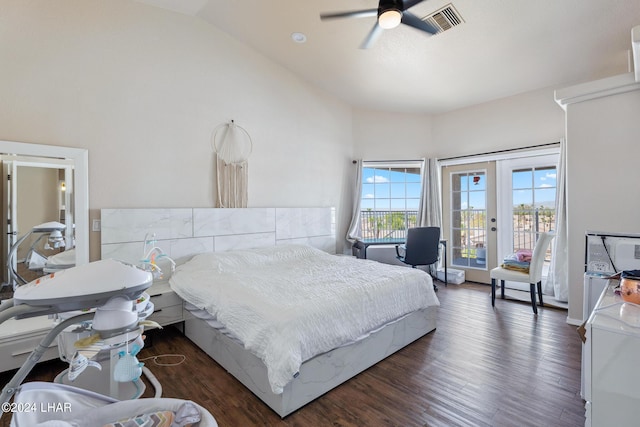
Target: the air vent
(445, 18)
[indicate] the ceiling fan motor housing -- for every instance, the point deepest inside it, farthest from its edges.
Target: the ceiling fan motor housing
(389, 5)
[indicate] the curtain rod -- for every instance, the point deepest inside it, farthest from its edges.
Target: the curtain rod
(388, 161)
(508, 150)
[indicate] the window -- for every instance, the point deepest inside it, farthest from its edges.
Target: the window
(390, 198)
(534, 195)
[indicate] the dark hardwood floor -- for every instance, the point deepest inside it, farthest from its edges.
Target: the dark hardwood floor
(480, 367)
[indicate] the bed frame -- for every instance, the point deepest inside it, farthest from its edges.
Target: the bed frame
(317, 375)
(182, 233)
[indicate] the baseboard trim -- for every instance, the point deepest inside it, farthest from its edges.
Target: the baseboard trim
(574, 322)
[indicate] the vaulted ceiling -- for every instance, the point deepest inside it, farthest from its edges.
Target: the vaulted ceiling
(500, 48)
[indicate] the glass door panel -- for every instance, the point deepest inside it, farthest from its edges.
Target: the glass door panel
(469, 195)
(527, 205)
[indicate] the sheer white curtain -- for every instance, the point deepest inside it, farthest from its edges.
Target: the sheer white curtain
(557, 279)
(430, 210)
(354, 232)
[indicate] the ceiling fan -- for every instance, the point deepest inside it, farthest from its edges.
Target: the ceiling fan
(390, 14)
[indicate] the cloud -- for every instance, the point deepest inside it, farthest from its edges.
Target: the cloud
(547, 186)
(368, 196)
(376, 179)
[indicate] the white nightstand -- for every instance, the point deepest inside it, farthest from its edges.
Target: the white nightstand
(18, 338)
(167, 304)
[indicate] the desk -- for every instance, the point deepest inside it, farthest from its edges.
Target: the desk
(360, 248)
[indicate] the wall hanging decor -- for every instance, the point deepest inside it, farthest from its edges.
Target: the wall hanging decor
(232, 145)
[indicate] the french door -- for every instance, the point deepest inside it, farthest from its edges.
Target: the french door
(469, 219)
(526, 200)
(494, 208)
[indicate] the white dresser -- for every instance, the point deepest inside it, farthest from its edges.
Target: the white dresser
(611, 365)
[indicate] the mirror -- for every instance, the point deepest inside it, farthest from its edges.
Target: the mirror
(51, 184)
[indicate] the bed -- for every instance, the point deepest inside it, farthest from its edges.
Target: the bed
(36, 261)
(291, 321)
(189, 234)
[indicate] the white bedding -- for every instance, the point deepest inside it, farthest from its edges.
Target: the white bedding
(290, 303)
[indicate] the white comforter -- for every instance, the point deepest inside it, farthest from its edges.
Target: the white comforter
(290, 303)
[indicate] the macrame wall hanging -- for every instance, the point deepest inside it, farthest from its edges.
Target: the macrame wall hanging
(232, 145)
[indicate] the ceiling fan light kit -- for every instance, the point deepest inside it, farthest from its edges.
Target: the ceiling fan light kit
(390, 14)
(390, 18)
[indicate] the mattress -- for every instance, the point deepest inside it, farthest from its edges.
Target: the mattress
(67, 257)
(63, 260)
(289, 303)
(220, 327)
(211, 321)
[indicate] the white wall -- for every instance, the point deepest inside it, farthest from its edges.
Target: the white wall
(391, 136)
(142, 88)
(527, 119)
(602, 168)
(531, 118)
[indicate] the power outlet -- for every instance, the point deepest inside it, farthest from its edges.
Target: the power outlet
(96, 225)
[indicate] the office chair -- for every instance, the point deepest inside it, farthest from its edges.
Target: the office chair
(421, 248)
(533, 277)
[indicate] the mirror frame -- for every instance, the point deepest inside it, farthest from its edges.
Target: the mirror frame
(80, 157)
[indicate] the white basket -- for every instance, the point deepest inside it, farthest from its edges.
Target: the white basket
(453, 275)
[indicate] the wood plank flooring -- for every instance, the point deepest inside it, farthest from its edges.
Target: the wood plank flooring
(480, 367)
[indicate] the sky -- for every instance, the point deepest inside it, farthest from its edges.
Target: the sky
(543, 182)
(392, 190)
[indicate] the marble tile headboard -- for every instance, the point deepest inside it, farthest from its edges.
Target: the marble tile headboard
(184, 232)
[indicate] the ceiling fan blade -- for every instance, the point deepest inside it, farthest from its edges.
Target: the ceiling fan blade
(413, 21)
(406, 4)
(353, 14)
(372, 36)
